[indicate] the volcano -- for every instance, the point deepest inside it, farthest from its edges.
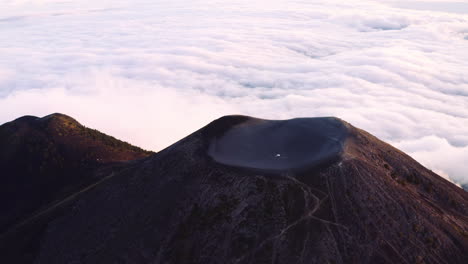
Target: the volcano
(239, 190)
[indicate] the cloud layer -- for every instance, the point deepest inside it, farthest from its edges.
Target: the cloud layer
(151, 72)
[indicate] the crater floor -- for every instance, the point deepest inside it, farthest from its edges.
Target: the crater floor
(280, 144)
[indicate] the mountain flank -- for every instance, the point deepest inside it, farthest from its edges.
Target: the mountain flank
(46, 159)
(247, 190)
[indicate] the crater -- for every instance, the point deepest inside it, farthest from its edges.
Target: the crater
(280, 145)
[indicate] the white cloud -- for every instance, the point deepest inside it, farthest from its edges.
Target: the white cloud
(151, 72)
(438, 154)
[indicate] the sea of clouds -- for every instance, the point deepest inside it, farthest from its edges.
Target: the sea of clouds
(152, 71)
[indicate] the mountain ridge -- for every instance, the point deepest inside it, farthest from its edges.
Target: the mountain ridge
(44, 158)
(372, 204)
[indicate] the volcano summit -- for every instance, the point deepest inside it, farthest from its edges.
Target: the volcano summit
(280, 145)
(240, 190)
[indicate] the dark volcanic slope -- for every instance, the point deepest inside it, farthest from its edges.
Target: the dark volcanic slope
(46, 159)
(198, 201)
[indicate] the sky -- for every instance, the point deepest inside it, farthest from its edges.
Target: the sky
(151, 72)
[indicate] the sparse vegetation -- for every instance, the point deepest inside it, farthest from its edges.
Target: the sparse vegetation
(50, 157)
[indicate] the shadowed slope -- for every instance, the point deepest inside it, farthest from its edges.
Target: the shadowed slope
(45, 159)
(370, 204)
